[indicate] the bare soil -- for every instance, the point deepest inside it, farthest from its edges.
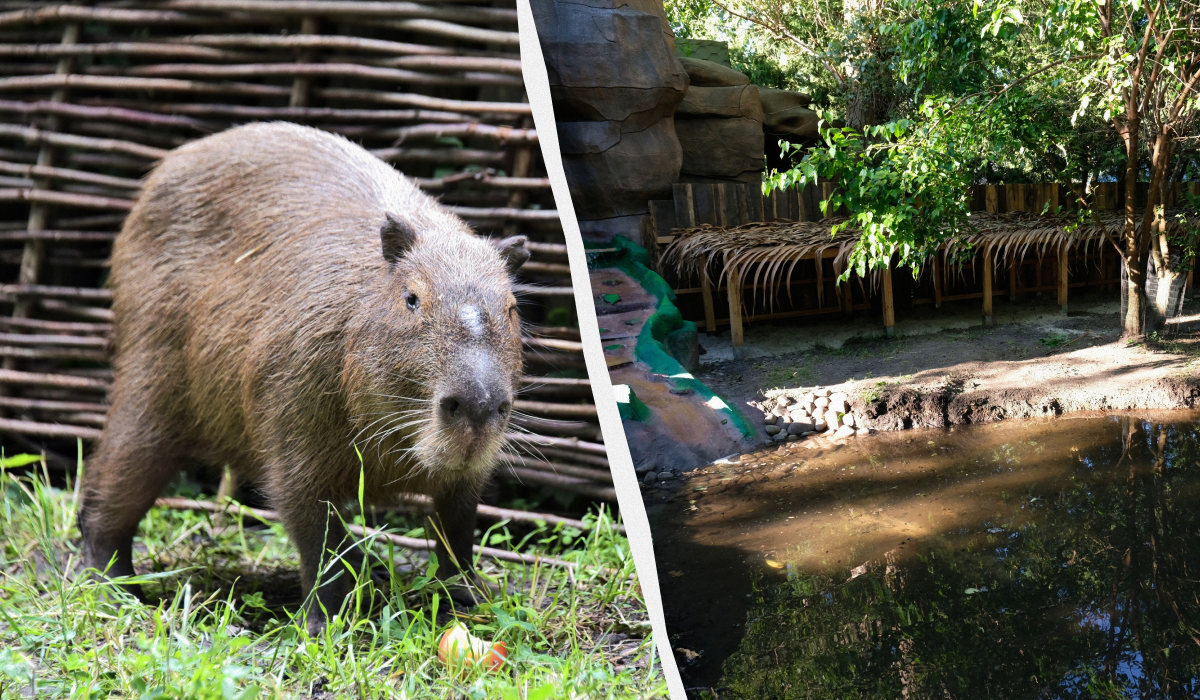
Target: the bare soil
(983, 374)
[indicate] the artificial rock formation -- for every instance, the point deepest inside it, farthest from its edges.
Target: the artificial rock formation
(615, 83)
(709, 74)
(614, 173)
(786, 114)
(633, 118)
(719, 124)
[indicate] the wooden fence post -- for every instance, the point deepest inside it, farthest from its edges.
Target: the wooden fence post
(301, 85)
(1062, 277)
(1104, 286)
(1037, 278)
(33, 253)
(937, 279)
(991, 199)
(735, 306)
(889, 307)
(844, 292)
(710, 314)
(987, 286)
(1013, 268)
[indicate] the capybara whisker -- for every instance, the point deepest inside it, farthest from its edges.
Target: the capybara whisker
(367, 310)
(386, 417)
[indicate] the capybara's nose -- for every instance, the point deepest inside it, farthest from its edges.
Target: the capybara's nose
(476, 407)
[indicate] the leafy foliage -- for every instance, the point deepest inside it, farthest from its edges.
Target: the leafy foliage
(921, 99)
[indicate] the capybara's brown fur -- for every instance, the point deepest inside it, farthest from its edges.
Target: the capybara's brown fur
(281, 297)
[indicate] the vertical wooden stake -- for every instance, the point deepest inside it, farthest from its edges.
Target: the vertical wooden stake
(1062, 277)
(843, 290)
(710, 315)
(937, 279)
(987, 287)
(34, 252)
(1037, 280)
(1013, 267)
(1103, 267)
(735, 306)
(889, 306)
(1187, 292)
(302, 85)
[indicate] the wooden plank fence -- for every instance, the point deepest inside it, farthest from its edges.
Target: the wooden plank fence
(734, 204)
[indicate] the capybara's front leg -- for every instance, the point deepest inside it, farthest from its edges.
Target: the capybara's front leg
(132, 465)
(325, 551)
(454, 519)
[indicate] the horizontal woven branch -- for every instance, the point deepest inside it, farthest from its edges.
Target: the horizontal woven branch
(340, 70)
(412, 10)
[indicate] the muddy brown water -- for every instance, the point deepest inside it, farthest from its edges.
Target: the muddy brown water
(1023, 559)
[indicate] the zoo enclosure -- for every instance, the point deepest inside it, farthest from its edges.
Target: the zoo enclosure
(707, 242)
(91, 96)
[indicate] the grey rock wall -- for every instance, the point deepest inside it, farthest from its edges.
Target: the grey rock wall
(720, 125)
(634, 118)
(615, 83)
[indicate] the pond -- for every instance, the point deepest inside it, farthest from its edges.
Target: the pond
(1056, 558)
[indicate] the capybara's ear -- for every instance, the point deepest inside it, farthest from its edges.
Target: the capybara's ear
(513, 250)
(398, 238)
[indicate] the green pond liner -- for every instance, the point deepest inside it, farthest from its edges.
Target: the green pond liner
(629, 405)
(651, 347)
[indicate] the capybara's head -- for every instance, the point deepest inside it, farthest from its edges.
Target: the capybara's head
(440, 358)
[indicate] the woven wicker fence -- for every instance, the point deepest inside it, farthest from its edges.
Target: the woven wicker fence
(91, 96)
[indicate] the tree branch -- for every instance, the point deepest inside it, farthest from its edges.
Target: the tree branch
(781, 32)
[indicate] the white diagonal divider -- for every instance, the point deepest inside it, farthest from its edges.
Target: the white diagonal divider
(629, 495)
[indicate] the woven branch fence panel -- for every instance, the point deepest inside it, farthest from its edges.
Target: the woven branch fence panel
(93, 95)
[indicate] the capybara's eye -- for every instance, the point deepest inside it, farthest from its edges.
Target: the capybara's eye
(412, 301)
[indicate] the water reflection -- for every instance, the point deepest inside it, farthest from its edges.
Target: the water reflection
(1051, 559)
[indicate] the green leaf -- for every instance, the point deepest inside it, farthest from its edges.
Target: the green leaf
(505, 621)
(20, 460)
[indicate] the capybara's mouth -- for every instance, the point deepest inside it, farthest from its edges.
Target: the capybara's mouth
(462, 451)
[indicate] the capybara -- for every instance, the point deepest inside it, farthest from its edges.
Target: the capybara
(283, 302)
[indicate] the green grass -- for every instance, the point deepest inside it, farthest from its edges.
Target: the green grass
(222, 622)
(788, 376)
(867, 346)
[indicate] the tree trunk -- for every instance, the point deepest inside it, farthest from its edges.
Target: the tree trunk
(1166, 261)
(1136, 244)
(1163, 299)
(1135, 307)
(1170, 281)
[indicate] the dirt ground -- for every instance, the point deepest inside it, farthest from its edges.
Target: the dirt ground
(983, 374)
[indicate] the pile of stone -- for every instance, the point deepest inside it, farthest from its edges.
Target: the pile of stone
(818, 412)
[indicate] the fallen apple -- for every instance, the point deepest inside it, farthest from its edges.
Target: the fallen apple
(459, 647)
